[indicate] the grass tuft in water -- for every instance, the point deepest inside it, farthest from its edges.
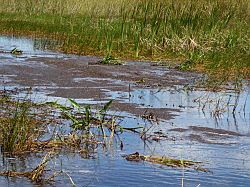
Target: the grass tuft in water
(111, 61)
(18, 125)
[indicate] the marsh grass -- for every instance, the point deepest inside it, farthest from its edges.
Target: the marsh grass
(82, 116)
(210, 36)
(23, 124)
(90, 126)
(17, 124)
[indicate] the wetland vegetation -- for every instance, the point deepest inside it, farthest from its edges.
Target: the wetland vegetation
(49, 138)
(208, 36)
(24, 131)
(38, 139)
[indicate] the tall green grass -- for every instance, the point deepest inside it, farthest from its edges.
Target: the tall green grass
(208, 35)
(18, 125)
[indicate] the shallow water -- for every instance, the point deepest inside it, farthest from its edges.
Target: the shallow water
(203, 128)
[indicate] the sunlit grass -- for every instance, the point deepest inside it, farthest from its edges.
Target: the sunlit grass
(18, 125)
(209, 36)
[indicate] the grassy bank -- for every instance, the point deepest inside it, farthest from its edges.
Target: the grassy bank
(205, 35)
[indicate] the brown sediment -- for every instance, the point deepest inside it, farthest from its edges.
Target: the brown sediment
(159, 113)
(213, 131)
(207, 140)
(83, 77)
(208, 135)
(178, 130)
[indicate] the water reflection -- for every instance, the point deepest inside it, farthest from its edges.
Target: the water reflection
(198, 107)
(214, 140)
(27, 45)
(30, 47)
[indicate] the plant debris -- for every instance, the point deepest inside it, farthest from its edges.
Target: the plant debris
(36, 175)
(166, 161)
(16, 51)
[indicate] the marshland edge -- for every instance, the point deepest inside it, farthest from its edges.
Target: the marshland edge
(210, 36)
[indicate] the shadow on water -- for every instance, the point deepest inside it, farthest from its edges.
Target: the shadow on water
(211, 127)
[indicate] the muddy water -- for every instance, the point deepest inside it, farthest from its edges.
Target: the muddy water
(188, 123)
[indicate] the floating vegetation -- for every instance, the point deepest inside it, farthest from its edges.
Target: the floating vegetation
(166, 161)
(36, 175)
(111, 61)
(16, 51)
(157, 136)
(150, 117)
(142, 80)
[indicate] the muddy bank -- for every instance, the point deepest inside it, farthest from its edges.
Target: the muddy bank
(83, 77)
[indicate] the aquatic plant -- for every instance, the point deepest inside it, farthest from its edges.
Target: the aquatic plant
(166, 161)
(22, 123)
(82, 116)
(18, 126)
(111, 61)
(16, 51)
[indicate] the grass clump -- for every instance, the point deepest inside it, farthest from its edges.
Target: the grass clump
(111, 61)
(82, 117)
(208, 36)
(90, 124)
(18, 125)
(23, 127)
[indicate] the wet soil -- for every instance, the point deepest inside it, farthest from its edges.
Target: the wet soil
(85, 78)
(207, 135)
